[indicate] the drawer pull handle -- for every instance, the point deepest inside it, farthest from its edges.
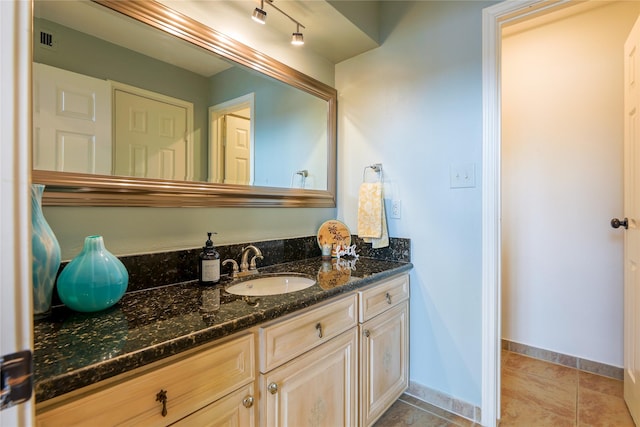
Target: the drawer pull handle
(388, 298)
(162, 397)
(319, 329)
(366, 333)
(247, 402)
(273, 388)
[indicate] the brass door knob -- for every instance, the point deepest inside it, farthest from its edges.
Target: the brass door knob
(247, 402)
(273, 388)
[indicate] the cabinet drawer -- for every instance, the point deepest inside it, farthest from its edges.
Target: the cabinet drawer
(287, 339)
(234, 409)
(190, 383)
(378, 298)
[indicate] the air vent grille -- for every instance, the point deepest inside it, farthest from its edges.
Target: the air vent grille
(47, 40)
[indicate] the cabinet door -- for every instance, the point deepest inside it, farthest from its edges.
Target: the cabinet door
(384, 362)
(234, 410)
(316, 389)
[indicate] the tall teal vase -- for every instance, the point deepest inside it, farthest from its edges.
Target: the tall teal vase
(94, 280)
(45, 255)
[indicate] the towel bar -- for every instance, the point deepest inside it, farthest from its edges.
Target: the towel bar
(377, 168)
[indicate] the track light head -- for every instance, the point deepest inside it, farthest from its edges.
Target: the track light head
(259, 15)
(297, 39)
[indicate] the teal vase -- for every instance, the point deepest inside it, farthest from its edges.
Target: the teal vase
(94, 280)
(45, 255)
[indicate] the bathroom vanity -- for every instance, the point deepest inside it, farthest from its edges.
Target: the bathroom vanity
(335, 353)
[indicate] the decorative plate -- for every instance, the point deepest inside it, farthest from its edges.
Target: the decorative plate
(333, 232)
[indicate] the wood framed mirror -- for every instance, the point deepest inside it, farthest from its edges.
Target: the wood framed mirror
(300, 174)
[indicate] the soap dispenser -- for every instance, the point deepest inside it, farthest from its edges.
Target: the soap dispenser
(209, 264)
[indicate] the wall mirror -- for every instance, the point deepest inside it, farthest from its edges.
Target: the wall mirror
(138, 105)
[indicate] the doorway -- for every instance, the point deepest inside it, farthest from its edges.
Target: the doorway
(562, 156)
(495, 19)
(231, 141)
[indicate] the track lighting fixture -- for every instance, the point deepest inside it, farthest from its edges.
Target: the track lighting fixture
(260, 16)
(297, 38)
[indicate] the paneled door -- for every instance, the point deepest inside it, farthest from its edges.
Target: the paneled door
(150, 137)
(237, 159)
(632, 223)
(71, 121)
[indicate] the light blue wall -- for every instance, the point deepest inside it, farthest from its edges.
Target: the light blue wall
(290, 127)
(415, 105)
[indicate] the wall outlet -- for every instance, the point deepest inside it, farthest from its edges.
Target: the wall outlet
(462, 175)
(396, 209)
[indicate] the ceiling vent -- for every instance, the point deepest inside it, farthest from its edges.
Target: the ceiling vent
(47, 40)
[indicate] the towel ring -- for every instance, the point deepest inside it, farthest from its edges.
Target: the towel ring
(377, 168)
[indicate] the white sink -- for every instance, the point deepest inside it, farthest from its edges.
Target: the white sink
(271, 285)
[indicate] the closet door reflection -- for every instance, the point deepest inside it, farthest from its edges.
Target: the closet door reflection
(151, 137)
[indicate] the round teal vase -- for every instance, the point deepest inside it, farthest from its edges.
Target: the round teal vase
(94, 280)
(45, 255)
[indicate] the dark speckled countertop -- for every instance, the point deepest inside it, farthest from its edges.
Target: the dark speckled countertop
(73, 350)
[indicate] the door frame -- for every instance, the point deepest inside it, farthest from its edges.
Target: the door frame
(216, 135)
(16, 309)
(494, 18)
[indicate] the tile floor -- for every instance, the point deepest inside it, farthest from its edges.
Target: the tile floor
(534, 393)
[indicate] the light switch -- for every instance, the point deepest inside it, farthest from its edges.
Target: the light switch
(462, 175)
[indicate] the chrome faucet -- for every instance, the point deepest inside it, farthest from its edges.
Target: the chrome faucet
(245, 266)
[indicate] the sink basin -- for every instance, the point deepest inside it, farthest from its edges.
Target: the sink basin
(271, 285)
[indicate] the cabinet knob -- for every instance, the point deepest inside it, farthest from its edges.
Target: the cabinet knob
(319, 329)
(366, 333)
(388, 296)
(247, 402)
(162, 398)
(273, 388)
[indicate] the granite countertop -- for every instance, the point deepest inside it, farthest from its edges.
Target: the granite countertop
(73, 350)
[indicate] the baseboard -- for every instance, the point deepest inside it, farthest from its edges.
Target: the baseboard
(565, 360)
(444, 401)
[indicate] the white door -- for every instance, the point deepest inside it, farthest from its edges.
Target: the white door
(632, 213)
(150, 137)
(237, 158)
(242, 106)
(71, 121)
